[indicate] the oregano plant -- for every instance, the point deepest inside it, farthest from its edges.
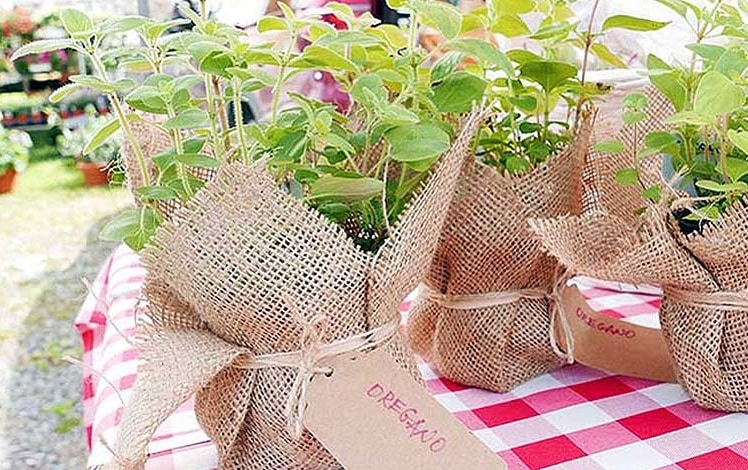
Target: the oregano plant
(358, 166)
(706, 147)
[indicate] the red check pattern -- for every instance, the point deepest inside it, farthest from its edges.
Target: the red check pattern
(575, 418)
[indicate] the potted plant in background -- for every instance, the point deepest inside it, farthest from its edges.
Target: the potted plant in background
(684, 228)
(96, 165)
(14, 155)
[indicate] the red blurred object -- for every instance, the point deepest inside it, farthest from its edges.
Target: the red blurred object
(7, 181)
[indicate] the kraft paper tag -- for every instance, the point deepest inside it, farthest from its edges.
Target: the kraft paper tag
(613, 345)
(370, 414)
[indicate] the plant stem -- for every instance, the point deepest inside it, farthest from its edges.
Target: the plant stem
(239, 116)
(588, 42)
(124, 122)
(277, 88)
(221, 111)
(723, 149)
(588, 38)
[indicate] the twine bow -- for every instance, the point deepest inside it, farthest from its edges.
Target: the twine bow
(309, 360)
(492, 299)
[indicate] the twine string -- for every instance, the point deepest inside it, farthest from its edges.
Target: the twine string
(309, 360)
(724, 300)
(493, 299)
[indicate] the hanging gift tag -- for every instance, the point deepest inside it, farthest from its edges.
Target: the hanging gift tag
(370, 414)
(613, 345)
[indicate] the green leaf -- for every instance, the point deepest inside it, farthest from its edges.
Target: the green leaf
(321, 57)
(459, 93)
(707, 51)
(339, 143)
(716, 95)
(123, 24)
(197, 160)
(291, 147)
(101, 136)
(633, 117)
(396, 114)
(516, 165)
(722, 188)
(417, 142)
(514, 7)
(609, 146)
(668, 84)
(148, 99)
(510, 26)
(76, 22)
(92, 82)
(659, 140)
(548, 74)
(156, 193)
(65, 90)
(553, 31)
(736, 168)
(739, 139)
(186, 82)
(443, 17)
(676, 5)
(372, 84)
(44, 45)
(522, 56)
(653, 193)
(190, 119)
(485, 52)
(345, 189)
(135, 227)
(272, 23)
(632, 23)
(627, 176)
(446, 65)
(606, 55)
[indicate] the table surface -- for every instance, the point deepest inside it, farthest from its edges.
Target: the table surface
(574, 418)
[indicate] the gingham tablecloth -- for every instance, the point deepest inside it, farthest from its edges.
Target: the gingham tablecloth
(575, 418)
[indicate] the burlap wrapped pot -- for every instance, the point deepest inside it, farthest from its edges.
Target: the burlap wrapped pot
(704, 276)
(484, 317)
(246, 288)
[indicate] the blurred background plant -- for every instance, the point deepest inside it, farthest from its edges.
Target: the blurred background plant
(14, 150)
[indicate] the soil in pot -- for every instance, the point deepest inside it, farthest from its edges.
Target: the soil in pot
(94, 174)
(7, 180)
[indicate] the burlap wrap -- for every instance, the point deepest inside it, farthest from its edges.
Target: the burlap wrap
(486, 247)
(245, 270)
(704, 314)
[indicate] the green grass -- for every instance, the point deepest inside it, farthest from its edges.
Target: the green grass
(49, 229)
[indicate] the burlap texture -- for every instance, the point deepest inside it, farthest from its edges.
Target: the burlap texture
(153, 141)
(486, 247)
(709, 344)
(229, 278)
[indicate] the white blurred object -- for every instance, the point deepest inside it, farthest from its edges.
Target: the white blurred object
(239, 12)
(667, 43)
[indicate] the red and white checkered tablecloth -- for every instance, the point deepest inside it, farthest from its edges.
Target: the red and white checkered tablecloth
(575, 418)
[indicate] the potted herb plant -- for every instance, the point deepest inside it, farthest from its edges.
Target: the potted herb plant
(321, 219)
(95, 165)
(683, 228)
(14, 155)
(486, 316)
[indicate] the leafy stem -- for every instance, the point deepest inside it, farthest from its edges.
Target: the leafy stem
(123, 120)
(239, 114)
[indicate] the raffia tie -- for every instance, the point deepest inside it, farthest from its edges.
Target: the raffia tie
(310, 358)
(492, 299)
(724, 300)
